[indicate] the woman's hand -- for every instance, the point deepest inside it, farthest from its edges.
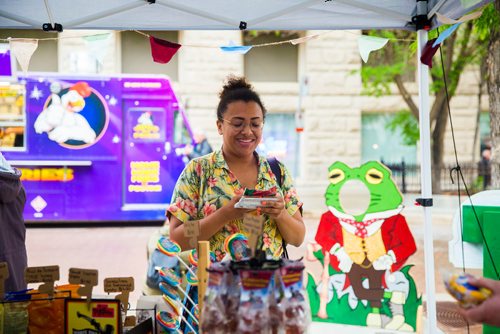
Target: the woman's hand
(230, 213)
(274, 209)
(487, 311)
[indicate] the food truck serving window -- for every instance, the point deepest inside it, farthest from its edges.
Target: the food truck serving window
(12, 117)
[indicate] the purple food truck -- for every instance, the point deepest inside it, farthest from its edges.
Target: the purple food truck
(94, 148)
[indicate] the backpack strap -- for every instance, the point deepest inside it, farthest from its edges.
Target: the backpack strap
(276, 169)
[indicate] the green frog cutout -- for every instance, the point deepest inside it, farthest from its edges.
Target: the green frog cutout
(363, 242)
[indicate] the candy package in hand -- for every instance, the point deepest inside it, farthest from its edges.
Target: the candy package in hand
(252, 198)
(466, 294)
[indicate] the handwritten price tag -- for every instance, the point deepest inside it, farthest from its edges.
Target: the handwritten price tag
(46, 274)
(120, 284)
(41, 274)
(192, 231)
(192, 228)
(86, 277)
(253, 224)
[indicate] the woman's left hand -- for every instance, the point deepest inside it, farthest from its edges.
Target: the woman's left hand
(274, 209)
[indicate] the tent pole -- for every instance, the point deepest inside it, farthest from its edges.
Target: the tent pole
(426, 184)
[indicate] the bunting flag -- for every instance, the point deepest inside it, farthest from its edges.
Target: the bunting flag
(23, 49)
(367, 44)
(238, 49)
(98, 45)
(303, 39)
(162, 50)
(445, 20)
(445, 34)
(428, 52)
(469, 3)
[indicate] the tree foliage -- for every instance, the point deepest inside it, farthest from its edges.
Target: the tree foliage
(389, 70)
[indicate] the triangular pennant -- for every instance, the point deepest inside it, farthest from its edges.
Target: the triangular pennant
(23, 49)
(98, 45)
(445, 34)
(161, 50)
(469, 3)
(446, 20)
(367, 44)
(428, 52)
(232, 48)
(303, 39)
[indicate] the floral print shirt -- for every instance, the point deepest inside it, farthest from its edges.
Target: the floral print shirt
(207, 184)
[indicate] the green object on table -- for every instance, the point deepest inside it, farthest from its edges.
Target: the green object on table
(489, 222)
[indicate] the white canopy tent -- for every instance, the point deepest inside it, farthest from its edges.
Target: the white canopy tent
(263, 15)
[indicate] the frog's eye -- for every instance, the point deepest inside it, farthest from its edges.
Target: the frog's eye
(374, 176)
(336, 175)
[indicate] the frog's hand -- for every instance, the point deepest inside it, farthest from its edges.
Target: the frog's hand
(343, 261)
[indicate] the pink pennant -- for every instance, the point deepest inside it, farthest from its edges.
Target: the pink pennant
(161, 50)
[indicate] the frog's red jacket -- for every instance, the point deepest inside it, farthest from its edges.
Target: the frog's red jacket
(396, 237)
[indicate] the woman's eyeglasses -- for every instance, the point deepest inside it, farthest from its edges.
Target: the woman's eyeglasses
(239, 125)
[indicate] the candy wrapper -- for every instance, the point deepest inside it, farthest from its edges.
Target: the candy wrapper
(214, 315)
(254, 301)
(468, 295)
(236, 245)
(294, 305)
(252, 198)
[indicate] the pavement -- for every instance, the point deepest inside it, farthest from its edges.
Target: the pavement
(121, 251)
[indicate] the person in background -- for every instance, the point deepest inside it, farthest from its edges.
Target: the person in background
(200, 148)
(484, 167)
(486, 312)
(12, 228)
(210, 186)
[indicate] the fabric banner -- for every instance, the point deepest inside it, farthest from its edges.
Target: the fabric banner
(161, 50)
(98, 46)
(303, 39)
(239, 49)
(367, 44)
(23, 49)
(445, 34)
(445, 20)
(428, 52)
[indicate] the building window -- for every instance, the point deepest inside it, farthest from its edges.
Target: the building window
(484, 131)
(136, 54)
(280, 141)
(45, 58)
(380, 144)
(276, 63)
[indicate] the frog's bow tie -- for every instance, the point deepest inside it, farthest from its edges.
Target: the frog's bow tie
(360, 226)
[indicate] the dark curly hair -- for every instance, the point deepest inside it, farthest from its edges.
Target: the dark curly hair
(237, 89)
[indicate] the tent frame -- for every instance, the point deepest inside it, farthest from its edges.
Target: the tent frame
(420, 20)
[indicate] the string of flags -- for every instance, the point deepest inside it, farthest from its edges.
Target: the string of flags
(433, 45)
(162, 51)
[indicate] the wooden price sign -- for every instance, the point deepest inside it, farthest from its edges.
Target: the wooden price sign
(46, 274)
(192, 231)
(253, 224)
(4, 274)
(120, 284)
(85, 277)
